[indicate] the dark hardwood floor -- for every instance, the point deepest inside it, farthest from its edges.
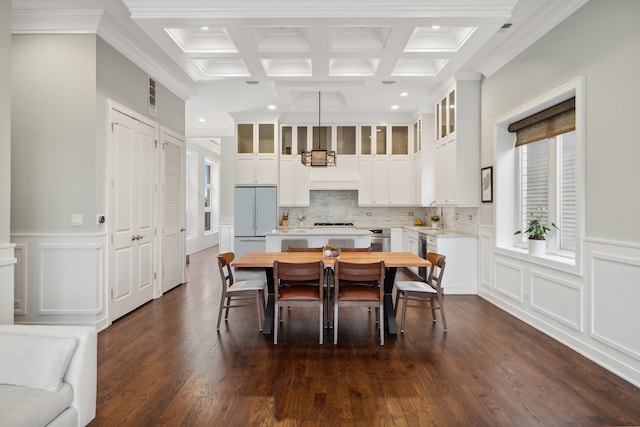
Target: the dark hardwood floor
(165, 364)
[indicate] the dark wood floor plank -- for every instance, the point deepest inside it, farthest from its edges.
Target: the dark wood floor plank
(166, 365)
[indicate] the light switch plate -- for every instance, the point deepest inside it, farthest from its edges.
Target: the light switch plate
(76, 219)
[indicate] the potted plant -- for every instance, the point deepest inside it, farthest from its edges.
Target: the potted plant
(537, 231)
(435, 221)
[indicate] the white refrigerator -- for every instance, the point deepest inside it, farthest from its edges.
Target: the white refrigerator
(255, 214)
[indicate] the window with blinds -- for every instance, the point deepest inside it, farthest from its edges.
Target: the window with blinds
(211, 196)
(548, 178)
(568, 196)
(534, 188)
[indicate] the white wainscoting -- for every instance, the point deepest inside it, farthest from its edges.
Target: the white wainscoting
(7, 268)
(21, 276)
(557, 299)
(61, 279)
(508, 279)
(486, 256)
(596, 313)
(615, 302)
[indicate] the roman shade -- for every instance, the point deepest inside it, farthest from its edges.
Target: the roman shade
(555, 120)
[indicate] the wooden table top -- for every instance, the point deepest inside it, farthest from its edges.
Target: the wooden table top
(391, 259)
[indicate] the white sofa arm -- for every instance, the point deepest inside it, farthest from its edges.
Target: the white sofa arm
(82, 371)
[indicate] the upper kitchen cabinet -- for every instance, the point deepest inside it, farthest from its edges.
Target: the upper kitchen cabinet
(256, 157)
(416, 164)
(384, 166)
(457, 145)
(293, 188)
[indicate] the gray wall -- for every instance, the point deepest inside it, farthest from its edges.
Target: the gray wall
(227, 175)
(5, 120)
(61, 84)
(53, 131)
(590, 306)
(122, 81)
(607, 54)
(7, 259)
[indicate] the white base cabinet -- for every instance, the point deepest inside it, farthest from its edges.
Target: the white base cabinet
(461, 270)
(411, 244)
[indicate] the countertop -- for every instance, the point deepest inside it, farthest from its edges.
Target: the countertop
(361, 231)
(321, 231)
(438, 232)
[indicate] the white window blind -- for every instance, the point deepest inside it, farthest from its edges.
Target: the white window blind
(534, 180)
(207, 196)
(548, 179)
(567, 186)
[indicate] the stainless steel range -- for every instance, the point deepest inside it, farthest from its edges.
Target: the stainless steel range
(381, 240)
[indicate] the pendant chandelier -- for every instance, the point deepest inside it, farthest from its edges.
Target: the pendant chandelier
(318, 157)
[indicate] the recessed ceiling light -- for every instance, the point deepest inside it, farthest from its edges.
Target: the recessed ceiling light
(388, 82)
(404, 94)
(271, 107)
(201, 120)
(252, 82)
(204, 28)
(435, 27)
(395, 107)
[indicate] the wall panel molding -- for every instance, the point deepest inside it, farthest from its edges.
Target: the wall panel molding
(557, 299)
(509, 280)
(615, 293)
(486, 256)
(61, 279)
(70, 274)
(20, 277)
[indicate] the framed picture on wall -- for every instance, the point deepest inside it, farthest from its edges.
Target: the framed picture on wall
(486, 180)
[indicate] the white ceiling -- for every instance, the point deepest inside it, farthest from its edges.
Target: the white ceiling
(364, 56)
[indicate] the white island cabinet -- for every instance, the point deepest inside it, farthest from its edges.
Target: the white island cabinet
(318, 237)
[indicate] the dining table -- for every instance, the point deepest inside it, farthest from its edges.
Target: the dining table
(392, 260)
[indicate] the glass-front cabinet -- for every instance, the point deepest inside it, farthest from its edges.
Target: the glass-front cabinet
(286, 138)
(375, 159)
(256, 157)
(366, 139)
(399, 140)
(321, 138)
(384, 166)
(457, 144)
(345, 140)
(445, 116)
(293, 188)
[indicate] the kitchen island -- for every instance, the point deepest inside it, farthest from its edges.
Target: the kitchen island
(315, 237)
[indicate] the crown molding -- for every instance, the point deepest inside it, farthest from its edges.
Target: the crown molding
(223, 9)
(47, 21)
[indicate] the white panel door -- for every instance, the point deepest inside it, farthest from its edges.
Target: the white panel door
(133, 160)
(173, 207)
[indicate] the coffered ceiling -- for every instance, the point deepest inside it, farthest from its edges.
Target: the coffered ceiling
(369, 59)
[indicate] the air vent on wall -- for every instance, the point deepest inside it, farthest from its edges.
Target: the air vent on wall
(153, 110)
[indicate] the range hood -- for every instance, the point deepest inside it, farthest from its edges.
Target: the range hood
(333, 179)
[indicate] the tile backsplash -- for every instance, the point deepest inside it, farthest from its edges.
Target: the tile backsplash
(342, 206)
